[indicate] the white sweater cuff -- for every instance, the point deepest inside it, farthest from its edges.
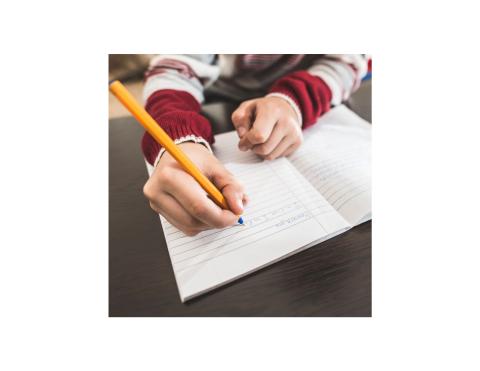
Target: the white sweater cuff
(188, 138)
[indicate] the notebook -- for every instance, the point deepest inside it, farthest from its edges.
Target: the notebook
(320, 191)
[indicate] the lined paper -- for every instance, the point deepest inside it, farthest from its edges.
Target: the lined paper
(285, 214)
(335, 159)
(320, 191)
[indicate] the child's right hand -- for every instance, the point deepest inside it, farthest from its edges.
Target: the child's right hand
(173, 193)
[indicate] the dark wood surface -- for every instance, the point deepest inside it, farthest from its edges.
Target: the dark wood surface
(330, 279)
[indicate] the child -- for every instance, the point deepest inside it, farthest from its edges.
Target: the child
(281, 95)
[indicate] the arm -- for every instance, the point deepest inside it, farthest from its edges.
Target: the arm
(330, 80)
(173, 94)
(271, 126)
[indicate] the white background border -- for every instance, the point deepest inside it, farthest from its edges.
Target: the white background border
(54, 194)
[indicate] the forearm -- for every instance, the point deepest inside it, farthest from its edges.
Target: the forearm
(328, 82)
(310, 94)
(173, 93)
(178, 113)
(342, 73)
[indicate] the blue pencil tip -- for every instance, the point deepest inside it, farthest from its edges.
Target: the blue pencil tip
(240, 221)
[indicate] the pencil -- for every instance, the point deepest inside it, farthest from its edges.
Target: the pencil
(155, 130)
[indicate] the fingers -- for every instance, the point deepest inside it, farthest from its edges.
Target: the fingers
(174, 212)
(236, 200)
(164, 204)
(261, 129)
(266, 148)
(291, 149)
(194, 200)
(242, 117)
(231, 189)
(176, 195)
(284, 148)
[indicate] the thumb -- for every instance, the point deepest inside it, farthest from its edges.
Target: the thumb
(231, 189)
(242, 117)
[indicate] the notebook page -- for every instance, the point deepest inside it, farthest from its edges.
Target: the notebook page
(285, 214)
(335, 158)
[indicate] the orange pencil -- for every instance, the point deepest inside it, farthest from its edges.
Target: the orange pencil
(150, 125)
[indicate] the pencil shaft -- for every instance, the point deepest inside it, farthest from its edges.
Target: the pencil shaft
(162, 137)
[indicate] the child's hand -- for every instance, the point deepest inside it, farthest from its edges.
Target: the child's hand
(269, 126)
(179, 198)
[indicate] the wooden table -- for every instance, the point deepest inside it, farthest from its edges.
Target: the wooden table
(330, 279)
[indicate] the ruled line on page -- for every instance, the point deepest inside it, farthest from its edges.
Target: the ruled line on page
(238, 247)
(286, 212)
(239, 232)
(335, 159)
(250, 216)
(293, 200)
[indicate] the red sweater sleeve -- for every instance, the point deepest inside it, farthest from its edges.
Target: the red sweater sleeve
(309, 92)
(178, 113)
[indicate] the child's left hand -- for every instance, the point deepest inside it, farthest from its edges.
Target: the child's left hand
(268, 126)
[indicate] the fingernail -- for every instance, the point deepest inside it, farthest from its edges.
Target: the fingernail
(241, 131)
(240, 204)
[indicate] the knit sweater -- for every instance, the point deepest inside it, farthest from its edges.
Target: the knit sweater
(175, 88)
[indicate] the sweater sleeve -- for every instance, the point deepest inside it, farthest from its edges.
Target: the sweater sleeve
(329, 81)
(173, 93)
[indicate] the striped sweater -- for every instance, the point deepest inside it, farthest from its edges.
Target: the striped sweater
(176, 85)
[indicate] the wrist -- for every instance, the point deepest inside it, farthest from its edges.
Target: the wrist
(192, 150)
(293, 105)
(188, 141)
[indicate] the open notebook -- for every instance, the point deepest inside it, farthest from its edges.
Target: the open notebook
(320, 191)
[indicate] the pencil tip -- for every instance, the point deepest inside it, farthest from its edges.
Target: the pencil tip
(240, 221)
